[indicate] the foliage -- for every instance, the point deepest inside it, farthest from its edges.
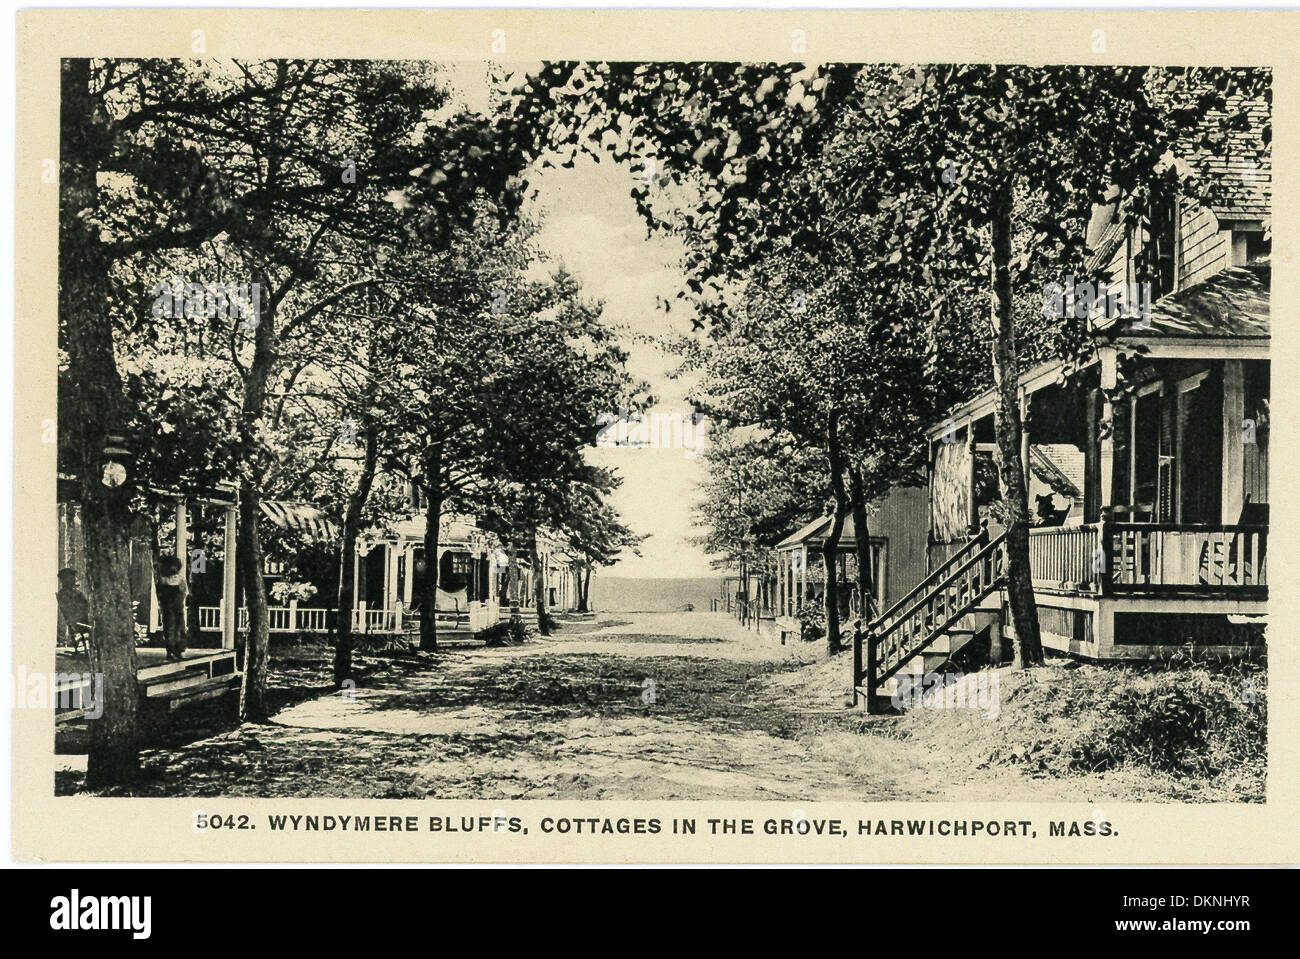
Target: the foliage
(756, 490)
(506, 633)
(812, 621)
(285, 592)
(1198, 720)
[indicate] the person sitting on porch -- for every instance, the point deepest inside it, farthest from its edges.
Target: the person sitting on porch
(73, 607)
(1048, 514)
(171, 602)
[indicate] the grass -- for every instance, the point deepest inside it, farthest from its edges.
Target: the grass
(1187, 731)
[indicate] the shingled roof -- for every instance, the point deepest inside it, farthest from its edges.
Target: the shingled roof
(1236, 169)
(1231, 304)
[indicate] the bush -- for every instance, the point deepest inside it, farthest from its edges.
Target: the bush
(379, 642)
(1200, 721)
(506, 633)
(1188, 721)
(812, 621)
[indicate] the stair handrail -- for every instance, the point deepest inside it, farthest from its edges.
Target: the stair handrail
(973, 543)
(990, 547)
(871, 671)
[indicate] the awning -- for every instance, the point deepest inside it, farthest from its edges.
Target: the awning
(299, 517)
(813, 535)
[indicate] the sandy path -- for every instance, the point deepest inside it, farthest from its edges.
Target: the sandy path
(644, 706)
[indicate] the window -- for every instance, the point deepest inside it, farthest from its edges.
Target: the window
(1157, 257)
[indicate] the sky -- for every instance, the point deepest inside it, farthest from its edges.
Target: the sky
(590, 225)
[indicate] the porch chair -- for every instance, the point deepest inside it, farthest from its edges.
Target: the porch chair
(1215, 568)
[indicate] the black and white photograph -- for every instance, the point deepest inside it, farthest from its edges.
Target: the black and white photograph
(661, 430)
(592, 437)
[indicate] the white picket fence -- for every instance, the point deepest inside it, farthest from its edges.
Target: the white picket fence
(307, 619)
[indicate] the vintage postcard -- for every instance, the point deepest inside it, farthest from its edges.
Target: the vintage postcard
(573, 436)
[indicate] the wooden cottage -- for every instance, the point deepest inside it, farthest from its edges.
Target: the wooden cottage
(896, 531)
(1147, 465)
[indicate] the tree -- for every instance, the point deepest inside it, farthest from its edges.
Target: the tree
(981, 178)
(565, 369)
(1019, 157)
(822, 348)
(122, 194)
(594, 530)
(260, 170)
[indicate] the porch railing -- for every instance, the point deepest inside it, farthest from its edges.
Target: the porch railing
(1110, 557)
(1162, 557)
(1066, 557)
(313, 619)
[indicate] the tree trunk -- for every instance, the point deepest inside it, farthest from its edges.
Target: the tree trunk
(351, 532)
(584, 598)
(1006, 375)
(539, 588)
(253, 469)
(95, 408)
(862, 543)
(252, 691)
(432, 520)
(830, 549)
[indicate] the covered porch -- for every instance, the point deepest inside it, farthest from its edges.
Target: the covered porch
(387, 579)
(801, 572)
(198, 527)
(1148, 482)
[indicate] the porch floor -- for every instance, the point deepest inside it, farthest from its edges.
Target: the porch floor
(148, 659)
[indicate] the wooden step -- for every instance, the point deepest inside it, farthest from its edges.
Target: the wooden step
(202, 695)
(183, 688)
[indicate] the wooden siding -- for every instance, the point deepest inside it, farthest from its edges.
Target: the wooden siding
(1205, 249)
(901, 519)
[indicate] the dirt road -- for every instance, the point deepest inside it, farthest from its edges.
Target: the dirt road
(644, 706)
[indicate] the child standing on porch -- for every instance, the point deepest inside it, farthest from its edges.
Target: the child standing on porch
(171, 602)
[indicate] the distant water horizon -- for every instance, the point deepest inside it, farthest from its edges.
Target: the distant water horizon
(646, 594)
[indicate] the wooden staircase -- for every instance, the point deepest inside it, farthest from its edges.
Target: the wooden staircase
(920, 632)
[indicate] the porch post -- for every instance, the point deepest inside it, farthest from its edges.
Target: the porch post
(780, 582)
(788, 598)
(1234, 427)
(1132, 451)
(1106, 427)
(408, 587)
(229, 611)
(390, 565)
(356, 582)
(182, 535)
(970, 475)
